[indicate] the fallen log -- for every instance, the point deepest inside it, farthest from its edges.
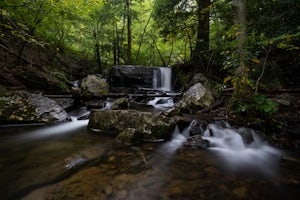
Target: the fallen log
(58, 96)
(145, 95)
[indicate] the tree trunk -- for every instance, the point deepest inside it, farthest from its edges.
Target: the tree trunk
(144, 31)
(242, 91)
(128, 32)
(241, 22)
(97, 47)
(202, 40)
(115, 47)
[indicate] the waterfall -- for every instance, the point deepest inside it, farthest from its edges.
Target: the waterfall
(162, 79)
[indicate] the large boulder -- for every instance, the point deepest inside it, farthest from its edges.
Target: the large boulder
(116, 121)
(195, 97)
(25, 107)
(94, 86)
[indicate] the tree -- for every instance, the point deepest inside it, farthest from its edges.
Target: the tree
(128, 10)
(186, 19)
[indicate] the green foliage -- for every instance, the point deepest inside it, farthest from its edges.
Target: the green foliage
(170, 36)
(257, 107)
(265, 105)
(61, 80)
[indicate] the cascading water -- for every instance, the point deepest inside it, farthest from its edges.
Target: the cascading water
(239, 149)
(162, 79)
(242, 148)
(58, 129)
(161, 102)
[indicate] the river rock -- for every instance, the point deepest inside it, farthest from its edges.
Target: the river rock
(247, 135)
(196, 97)
(94, 86)
(199, 78)
(197, 127)
(116, 121)
(121, 103)
(65, 103)
(25, 107)
(195, 142)
(129, 136)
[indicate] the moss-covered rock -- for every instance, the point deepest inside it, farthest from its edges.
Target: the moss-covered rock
(116, 121)
(25, 107)
(94, 86)
(196, 97)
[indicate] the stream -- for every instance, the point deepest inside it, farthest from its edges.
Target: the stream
(66, 161)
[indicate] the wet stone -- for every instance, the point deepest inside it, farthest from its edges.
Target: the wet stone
(195, 142)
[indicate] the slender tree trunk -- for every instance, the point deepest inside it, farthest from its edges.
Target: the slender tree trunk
(159, 53)
(202, 40)
(241, 22)
(242, 91)
(171, 52)
(120, 39)
(144, 31)
(97, 47)
(115, 44)
(128, 32)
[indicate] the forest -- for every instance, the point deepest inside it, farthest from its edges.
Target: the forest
(246, 45)
(149, 99)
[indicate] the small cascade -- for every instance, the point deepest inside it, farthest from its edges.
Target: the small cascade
(108, 105)
(176, 141)
(162, 79)
(241, 148)
(79, 113)
(161, 102)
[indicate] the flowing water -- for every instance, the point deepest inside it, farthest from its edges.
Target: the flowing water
(162, 79)
(65, 161)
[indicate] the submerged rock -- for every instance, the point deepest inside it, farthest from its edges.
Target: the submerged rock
(116, 121)
(129, 136)
(25, 107)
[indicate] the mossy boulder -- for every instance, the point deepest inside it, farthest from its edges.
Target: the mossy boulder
(116, 121)
(196, 97)
(94, 86)
(25, 107)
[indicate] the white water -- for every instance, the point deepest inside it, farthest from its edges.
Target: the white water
(170, 147)
(58, 129)
(53, 130)
(162, 79)
(235, 154)
(162, 102)
(256, 155)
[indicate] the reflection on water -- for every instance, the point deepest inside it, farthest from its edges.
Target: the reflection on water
(149, 171)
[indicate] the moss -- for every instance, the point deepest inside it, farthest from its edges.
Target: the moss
(14, 109)
(161, 131)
